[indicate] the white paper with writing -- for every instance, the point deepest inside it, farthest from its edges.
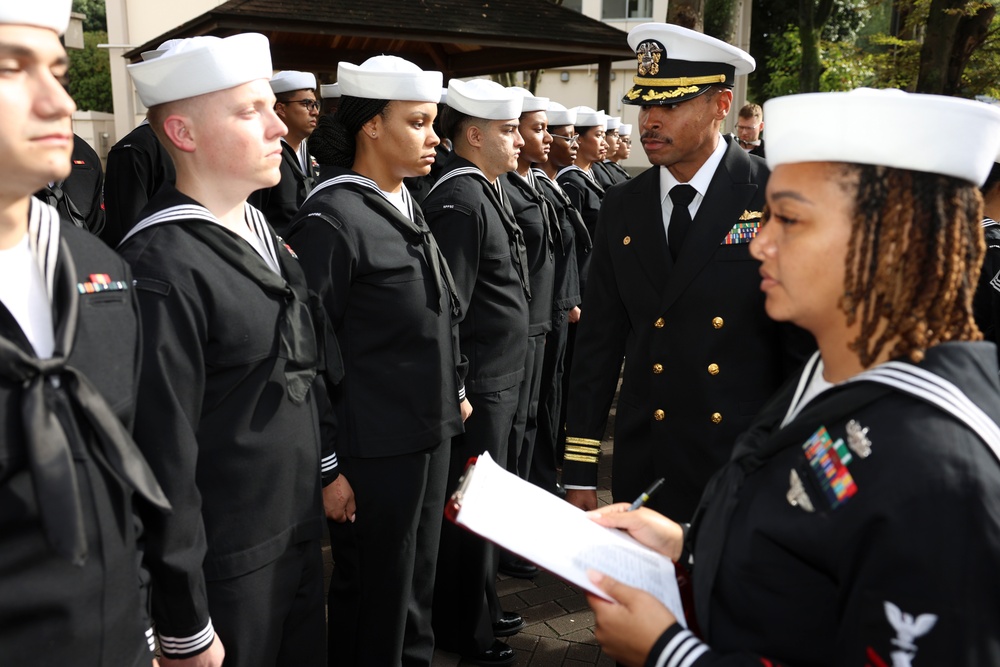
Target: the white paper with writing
(559, 537)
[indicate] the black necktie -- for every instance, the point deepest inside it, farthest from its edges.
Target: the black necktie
(680, 217)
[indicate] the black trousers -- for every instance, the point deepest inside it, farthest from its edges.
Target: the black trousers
(521, 445)
(382, 587)
(274, 615)
(465, 601)
(542, 471)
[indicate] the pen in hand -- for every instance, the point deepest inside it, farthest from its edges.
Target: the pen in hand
(645, 495)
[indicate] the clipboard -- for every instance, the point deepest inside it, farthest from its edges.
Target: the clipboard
(556, 536)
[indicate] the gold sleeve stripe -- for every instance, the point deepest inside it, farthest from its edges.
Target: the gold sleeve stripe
(583, 441)
(581, 459)
(680, 81)
(590, 451)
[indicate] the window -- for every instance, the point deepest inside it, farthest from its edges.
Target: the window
(575, 5)
(627, 9)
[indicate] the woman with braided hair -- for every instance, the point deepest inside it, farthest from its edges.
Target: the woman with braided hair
(369, 255)
(858, 522)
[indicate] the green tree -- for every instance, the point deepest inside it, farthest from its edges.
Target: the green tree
(722, 19)
(772, 19)
(90, 74)
(844, 66)
(813, 15)
(955, 30)
(96, 14)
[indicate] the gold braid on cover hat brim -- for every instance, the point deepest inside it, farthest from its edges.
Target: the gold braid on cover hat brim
(680, 81)
(688, 85)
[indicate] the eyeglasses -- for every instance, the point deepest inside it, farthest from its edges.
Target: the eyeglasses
(745, 128)
(310, 105)
(575, 139)
(625, 140)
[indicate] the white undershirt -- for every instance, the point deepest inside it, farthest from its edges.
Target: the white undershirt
(22, 291)
(811, 385)
(256, 243)
(397, 200)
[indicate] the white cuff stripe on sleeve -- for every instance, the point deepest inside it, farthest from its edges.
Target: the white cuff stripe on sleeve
(686, 647)
(694, 655)
(329, 463)
(681, 651)
(182, 645)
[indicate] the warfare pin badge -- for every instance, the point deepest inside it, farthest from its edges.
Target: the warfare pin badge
(857, 439)
(797, 496)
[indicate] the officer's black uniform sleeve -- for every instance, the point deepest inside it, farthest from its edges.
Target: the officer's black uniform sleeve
(597, 359)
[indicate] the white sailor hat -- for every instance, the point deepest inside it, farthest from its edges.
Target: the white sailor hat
(288, 80)
(676, 64)
(530, 102)
(587, 117)
(891, 128)
(444, 96)
(624, 130)
(482, 98)
(199, 65)
(614, 122)
(51, 14)
(389, 78)
(329, 91)
(160, 50)
(559, 115)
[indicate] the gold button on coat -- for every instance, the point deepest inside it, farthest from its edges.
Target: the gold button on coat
(713, 369)
(657, 368)
(716, 417)
(626, 240)
(717, 322)
(659, 415)
(659, 323)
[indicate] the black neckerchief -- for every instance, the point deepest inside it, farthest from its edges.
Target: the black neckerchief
(299, 356)
(57, 198)
(51, 383)
(529, 187)
(494, 192)
(580, 232)
(588, 175)
(412, 225)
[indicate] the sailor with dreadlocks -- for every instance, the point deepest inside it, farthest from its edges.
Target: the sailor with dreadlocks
(858, 521)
